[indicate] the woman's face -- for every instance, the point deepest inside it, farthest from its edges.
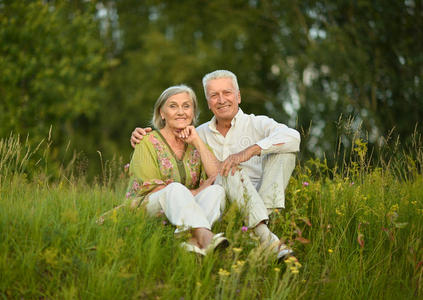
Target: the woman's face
(178, 111)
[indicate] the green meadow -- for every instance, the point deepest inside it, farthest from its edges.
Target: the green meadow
(356, 228)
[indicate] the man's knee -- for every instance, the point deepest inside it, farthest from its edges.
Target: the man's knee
(234, 179)
(280, 158)
(217, 190)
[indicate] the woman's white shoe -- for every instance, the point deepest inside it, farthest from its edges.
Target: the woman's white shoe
(218, 242)
(192, 248)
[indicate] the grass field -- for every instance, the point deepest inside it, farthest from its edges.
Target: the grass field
(357, 232)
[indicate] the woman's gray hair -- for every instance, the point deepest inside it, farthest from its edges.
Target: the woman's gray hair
(157, 120)
(219, 74)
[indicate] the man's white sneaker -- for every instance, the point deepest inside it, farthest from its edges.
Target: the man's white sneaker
(284, 252)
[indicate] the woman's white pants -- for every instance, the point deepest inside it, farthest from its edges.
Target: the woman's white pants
(185, 210)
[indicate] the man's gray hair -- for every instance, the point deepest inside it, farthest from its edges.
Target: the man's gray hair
(220, 74)
(157, 120)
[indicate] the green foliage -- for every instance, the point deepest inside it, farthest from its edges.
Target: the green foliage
(356, 230)
(304, 63)
(52, 64)
(93, 69)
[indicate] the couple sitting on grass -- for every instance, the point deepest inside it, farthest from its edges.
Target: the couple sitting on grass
(188, 173)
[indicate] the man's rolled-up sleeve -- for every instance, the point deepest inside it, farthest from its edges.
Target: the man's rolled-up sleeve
(276, 137)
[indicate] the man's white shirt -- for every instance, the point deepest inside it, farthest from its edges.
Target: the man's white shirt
(247, 130)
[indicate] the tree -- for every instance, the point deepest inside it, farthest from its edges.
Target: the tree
(52, 66)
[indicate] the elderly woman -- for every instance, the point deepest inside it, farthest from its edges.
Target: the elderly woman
(169, 171)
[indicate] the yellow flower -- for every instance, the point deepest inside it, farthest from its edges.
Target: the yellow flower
(339, 212)
(298, 265)
(237, 250)
(290, 260)
(295, 271)
(414, 202)
(223, 272)
(240, 263)
(236, 268)
(330, 250)
(277, 270)
(198, 283)
(394, 208)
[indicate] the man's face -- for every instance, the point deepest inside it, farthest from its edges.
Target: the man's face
(222, 98)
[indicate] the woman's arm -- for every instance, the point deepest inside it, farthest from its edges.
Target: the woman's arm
(205, 184)
(209, 160)
(144, 171)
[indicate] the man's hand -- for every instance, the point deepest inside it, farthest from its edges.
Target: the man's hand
(138, 134)
(232, 162)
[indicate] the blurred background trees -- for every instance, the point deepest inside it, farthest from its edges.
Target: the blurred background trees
(92, 70)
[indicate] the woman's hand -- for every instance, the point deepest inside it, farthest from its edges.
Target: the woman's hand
(211, 164)
(189, 135)
(209, 181)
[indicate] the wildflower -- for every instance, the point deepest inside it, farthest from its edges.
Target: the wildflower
(276, 211)
(164, 222)
(244, 228)
(126, 167)
(330, 250)
(298, 264)
(414, 202)
(290, 260)
(394, 208)
(223, 273)
(277, 270)
(198, 283)
(294, 270)
(237, 250)
(305, 183)
(128, 194)
(236, 268)
(240, 263)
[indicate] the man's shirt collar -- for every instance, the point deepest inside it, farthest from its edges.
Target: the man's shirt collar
(239, 114)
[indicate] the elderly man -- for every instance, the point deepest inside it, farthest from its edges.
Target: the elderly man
(257, 154)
